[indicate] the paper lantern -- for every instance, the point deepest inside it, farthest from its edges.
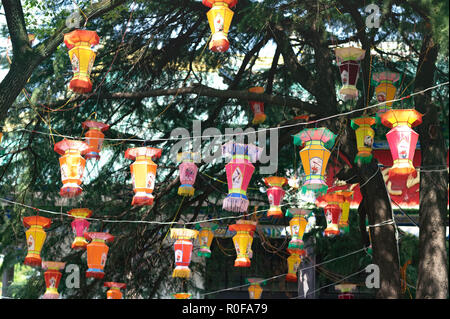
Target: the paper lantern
(143, 173)
(255, 290)
(345, 290)
(333, 213)
(345, 206)
(243, 241)
(257, 107)
(52, 278)
(114, 291)
(35, 238)
(182, 295)
(314, 156)
(385, 90)
(94, 138)
(205, 237)
(97, 253)
(219, 18)
(348, 62)
(275, 195)
(79, 226)
(188, 172)
(402, 139)
(183, 250)
(297, 226)
(72, 166)
(1, 137)
(293, 261)
(364, 138)
(239, 172)
(82, 57)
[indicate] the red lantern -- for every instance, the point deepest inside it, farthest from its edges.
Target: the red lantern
(275, 195)
(257, 107)
(97, 253)
(333, 213)
(94, 138)
(243, 241)
(219, 18)
(114, 291)
(35, 238)
(143, 173)
(72, 166)
(79, 226)
(348, 62)
(52, 277)
(183, 250)
(402, 139)
(188, 172)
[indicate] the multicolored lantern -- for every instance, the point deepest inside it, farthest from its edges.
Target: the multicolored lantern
(293, 261)
(275, 195)
(79, 226)
(385, 90)
(35, 238)
(402, 139)
(243, 241)
(297, 226)
(72, 166)
(205, 237)
(182, 295)
(345, 206)
(255, 290)
(257, 107)
(348, 62)
(239, 172)
(364, 138)
(346, 291)
(97, 253)
(52, 277)
(114, 291)
(188, 172)
(94, 138)
(82, 57)
(143, 173)
(219, 18)
(333, 213)
(183, 250)
(314, 156)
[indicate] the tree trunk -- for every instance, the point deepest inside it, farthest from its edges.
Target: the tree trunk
(7, 279)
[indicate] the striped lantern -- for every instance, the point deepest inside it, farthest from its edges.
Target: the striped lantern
(348, 60)
(275, 194)
(188, 172)
(35, 238)
(94, 138)
(52, 278)
(183, 250)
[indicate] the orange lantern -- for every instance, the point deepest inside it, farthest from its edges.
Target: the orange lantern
(72, 166)
(243, 241)
(52, 277)
(97, 253)
(82, 57)
(275, 195)
(345, 206)
(293, 261)
(255, 290)
(333, 213)
(1, 137)
(143, 173)
(205, 237)
(182, 295)
(364, 138)
(297, 226)
(257, 107)
(35, 238)
(183, 250)
(346, 290)
(385, 90)
(114, 291)
(219, 18)
(80, 226)
(94, 138)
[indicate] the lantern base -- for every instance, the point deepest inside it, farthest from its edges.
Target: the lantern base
(33, 260)
(80, 86)
(291, 277)
(219, 42)
(235, 202)
(181, 272)
(349, 92)
(363, 158)
(71, 190)
(50, 295)
(259, 118)
(401, 169)
(92, 155)
(79, 243)
(331, 231)
(317, 187)
(95, 273)
(142, 199)
(275, 212)
(242, 262)
(186, 190)
(204, 253)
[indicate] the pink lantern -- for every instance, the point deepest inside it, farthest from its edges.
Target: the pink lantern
(275, 195)
(239, 172)
(183, 250)
(188, 172)
(79, 226)
(348, 62)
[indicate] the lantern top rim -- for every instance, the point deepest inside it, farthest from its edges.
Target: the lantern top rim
(183, 233)
(57, 265)
(93, 124)
(134, 152)
(386, 76)
(99, 235)
(62, 146)
(357, 122)
(275, 181)
(242, 227)
(37, 220)
(322, 134)
(255, 281)
(79, 35)
(256, 89)
(112, 284)
(345, 287)
(349, 53)
(410, 117)
(80, 213)
(210, 3)
(232, 148)
(188, 156)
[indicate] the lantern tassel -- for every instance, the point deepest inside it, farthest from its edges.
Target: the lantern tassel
(181, 272)
(235, 203)
(186, 190)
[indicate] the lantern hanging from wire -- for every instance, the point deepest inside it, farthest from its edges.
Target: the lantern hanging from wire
(239, 172)
(333, 213)
(297, 226)
(293, 261)
(364, 138)
(243, 241)
(219, 18)
(205, 237)
(275, 194)
(182, 295)
(188, 172)
(82, 57)
(72, 165)
(345, 206)
(346, 290)
(114, 291)
(255, 290)
(183, 250)
(94, 138)
(257, 107)
(80, 225)
(314, 156)
(97, 253)
(1, 137)
(402, 139)
(35, 238)
(348, 60)
(143, 173)
(52, 278)
(385, 89)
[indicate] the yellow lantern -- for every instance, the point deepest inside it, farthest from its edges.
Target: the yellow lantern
(255, 290)
(205, 237)
(219, 18)
(385, 90)
(364, 138)
(35, 238)
(243, 241)
(345, 206)
(297, 227)
(293, 261)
